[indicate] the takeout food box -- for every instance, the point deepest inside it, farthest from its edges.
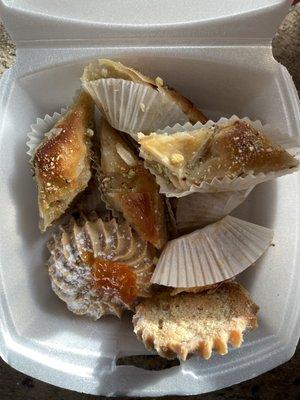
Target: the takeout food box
(219, 55)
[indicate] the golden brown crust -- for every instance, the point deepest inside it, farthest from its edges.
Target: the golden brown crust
(62, 160)
(229, 150)
(144, 211)
(242, 148)
(129, 188)
(174, 151)
(176, 326)
(104, 68)
(100, 267)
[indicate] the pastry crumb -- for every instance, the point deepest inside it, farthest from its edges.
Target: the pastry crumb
(159, 81)
(176, 158)
(104, 72)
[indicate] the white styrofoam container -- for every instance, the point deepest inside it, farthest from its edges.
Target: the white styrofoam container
(219, 55)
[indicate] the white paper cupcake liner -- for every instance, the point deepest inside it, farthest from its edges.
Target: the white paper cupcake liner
(271, 132)
(133, 107)
(226, 184)
(210, 288)
(200, 209)
(213, 254)
(39, 130)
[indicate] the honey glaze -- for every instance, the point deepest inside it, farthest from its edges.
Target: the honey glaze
(141, 208)
(112, 279)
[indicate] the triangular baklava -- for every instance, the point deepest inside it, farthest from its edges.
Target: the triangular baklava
(62, 160)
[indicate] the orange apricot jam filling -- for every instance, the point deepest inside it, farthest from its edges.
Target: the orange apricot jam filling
(113, 279)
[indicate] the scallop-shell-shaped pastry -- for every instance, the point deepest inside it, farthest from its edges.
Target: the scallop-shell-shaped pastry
(212, 254)
(230, 155)
(176, 326)
(132, 102)
(99, 267)
(129, 188)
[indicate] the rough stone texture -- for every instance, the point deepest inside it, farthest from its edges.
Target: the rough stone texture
(282, 382)
(7, 51)
(286, 44)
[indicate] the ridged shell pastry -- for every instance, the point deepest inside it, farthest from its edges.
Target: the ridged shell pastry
(62, 160)
(128, 187)
(133, 102)
(99, 267)
(195, 322)
(225, 151)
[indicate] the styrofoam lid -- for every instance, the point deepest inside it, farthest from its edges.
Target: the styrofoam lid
(29, 20)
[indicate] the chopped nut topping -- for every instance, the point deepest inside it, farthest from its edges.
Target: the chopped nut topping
(176, 159)
(104, 72)
(155, 260)
(131, 173)
(89, 132)
(125, 155)
(159, 81)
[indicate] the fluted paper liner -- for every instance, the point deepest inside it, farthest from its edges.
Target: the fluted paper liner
(270, 131)
(133, 107)
(226, 184)
(213, 254)
(200, 209)
(39, 130)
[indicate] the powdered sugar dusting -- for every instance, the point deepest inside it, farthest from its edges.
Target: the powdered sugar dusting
(72, 278)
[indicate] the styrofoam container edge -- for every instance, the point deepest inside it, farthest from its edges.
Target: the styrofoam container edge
(38, 336)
